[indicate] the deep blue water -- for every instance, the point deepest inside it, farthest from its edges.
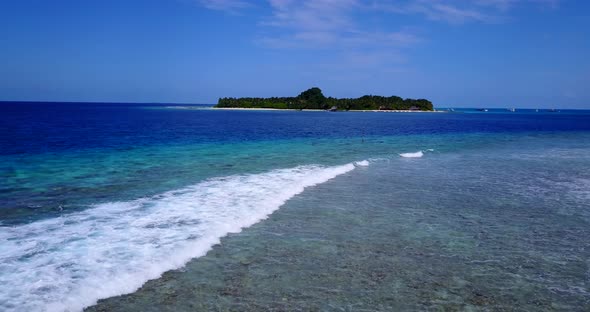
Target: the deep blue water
(98, 198)
(56, 127)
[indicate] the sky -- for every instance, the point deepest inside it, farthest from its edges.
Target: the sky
(479, 53)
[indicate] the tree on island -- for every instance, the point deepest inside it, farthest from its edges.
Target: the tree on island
(314, 99)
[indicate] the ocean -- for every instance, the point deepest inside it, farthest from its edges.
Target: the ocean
(161, 207)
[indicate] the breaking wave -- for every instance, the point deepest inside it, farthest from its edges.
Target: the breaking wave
(417, 154)
(68, 263)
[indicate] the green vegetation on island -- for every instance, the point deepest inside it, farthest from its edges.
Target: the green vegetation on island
(314, 99)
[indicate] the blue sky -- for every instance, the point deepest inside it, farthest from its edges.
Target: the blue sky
(492, 53)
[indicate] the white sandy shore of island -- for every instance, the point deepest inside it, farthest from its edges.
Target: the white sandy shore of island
(323, 110)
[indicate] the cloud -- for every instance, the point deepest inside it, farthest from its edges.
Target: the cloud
(336, 24)
(339, 31)
(329, 13)
(453, 14)
(360, 33)
(457, 11)
(231, 6)
(508, 4)
(318, 15)
(330, 24)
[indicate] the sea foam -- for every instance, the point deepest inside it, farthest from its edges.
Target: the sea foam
(412, 155)
(68, 263)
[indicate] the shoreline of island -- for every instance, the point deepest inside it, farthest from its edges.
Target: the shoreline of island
(324, 110)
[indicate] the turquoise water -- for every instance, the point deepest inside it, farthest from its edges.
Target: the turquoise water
(166, 209)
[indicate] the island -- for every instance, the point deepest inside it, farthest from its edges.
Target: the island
(314, 99)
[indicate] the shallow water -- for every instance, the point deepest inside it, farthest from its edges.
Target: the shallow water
(447, 231)
(494, 215)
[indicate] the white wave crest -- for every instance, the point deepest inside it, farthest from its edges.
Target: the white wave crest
(417, 154)
(362, 163)
(68, 263)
